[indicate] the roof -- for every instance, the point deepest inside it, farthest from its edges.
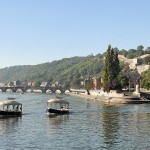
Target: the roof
(9, 102)
(57, 100)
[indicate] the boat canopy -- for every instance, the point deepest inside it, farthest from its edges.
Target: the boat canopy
(57, 100)
(9, 102)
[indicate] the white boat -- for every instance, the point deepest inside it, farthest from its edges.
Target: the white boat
(57, 106)
(10, 108)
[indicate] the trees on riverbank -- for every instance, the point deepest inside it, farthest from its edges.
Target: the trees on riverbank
(145, 79)
(111, 69)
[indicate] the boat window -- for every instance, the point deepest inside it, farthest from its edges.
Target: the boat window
(1, 107)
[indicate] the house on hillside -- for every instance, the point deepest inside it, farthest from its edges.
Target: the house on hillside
(17, 83)
(24, 84)
(45, 84)
(10, 84)
(96, 83)
(30, 83)
(3, 84)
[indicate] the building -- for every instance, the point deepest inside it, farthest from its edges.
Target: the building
(96, 83)
(24, 84)
(45, 84)
(17, 83)
(10, 84)
(29, 83)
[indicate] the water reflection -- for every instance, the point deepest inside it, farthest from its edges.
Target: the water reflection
(110, 127)
(9, 124)
(56, 120)
(90, 125)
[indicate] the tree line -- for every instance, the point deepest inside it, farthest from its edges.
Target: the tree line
(115, 78)
(70, 71)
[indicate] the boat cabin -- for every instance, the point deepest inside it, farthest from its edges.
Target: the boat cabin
(10, 108)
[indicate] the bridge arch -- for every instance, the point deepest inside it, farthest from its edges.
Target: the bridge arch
(48, 91)
(19, 90)
(9, 90)
(67, 91)
(37, 91)
(58, 91)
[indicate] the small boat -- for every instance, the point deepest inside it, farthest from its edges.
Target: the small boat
(10, 108)
(57, 106)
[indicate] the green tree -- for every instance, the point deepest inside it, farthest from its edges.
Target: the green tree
(140, 47)
(123, 81)
(147, 51)
(123, 52)
(146, 60)
(140, 51)
(89, 85)
(67, 85)
(145, 79)
(110, 69)
(116, 65)
(37, 83)
(76, 83)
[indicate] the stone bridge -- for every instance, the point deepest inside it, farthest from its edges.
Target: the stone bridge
(33, 89)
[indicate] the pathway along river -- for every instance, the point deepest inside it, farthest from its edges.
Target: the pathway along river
(91, 125)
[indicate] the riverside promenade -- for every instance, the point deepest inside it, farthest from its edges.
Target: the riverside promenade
(113, 97)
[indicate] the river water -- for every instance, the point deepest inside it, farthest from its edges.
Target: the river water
(90, 125)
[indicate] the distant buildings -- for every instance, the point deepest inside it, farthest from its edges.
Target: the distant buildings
(29, 84)
(10, 84)
(94, 83)
(45, 84)
(17, 83)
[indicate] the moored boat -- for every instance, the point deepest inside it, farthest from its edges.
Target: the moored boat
(57, 106)
(10, 108)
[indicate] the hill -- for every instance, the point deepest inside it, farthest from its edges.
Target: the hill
(63, 70)
(74, 68)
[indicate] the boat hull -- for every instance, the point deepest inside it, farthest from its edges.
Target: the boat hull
(51, 111)
(10, 113)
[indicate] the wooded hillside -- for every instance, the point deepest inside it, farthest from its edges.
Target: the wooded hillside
(67, 69)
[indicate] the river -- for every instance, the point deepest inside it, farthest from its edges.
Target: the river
(91, 125)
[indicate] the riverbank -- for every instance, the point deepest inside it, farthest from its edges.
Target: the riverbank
(113, 100)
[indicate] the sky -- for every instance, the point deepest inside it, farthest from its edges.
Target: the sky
(38, 31)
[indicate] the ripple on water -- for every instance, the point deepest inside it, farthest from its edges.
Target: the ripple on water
(90, 125)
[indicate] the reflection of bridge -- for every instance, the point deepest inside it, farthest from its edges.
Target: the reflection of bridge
(32, 89)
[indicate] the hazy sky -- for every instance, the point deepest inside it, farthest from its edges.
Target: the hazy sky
(39, 31)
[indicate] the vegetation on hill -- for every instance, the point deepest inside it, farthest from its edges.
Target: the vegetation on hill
(132, 53)
(65, 70)
(70, 71)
